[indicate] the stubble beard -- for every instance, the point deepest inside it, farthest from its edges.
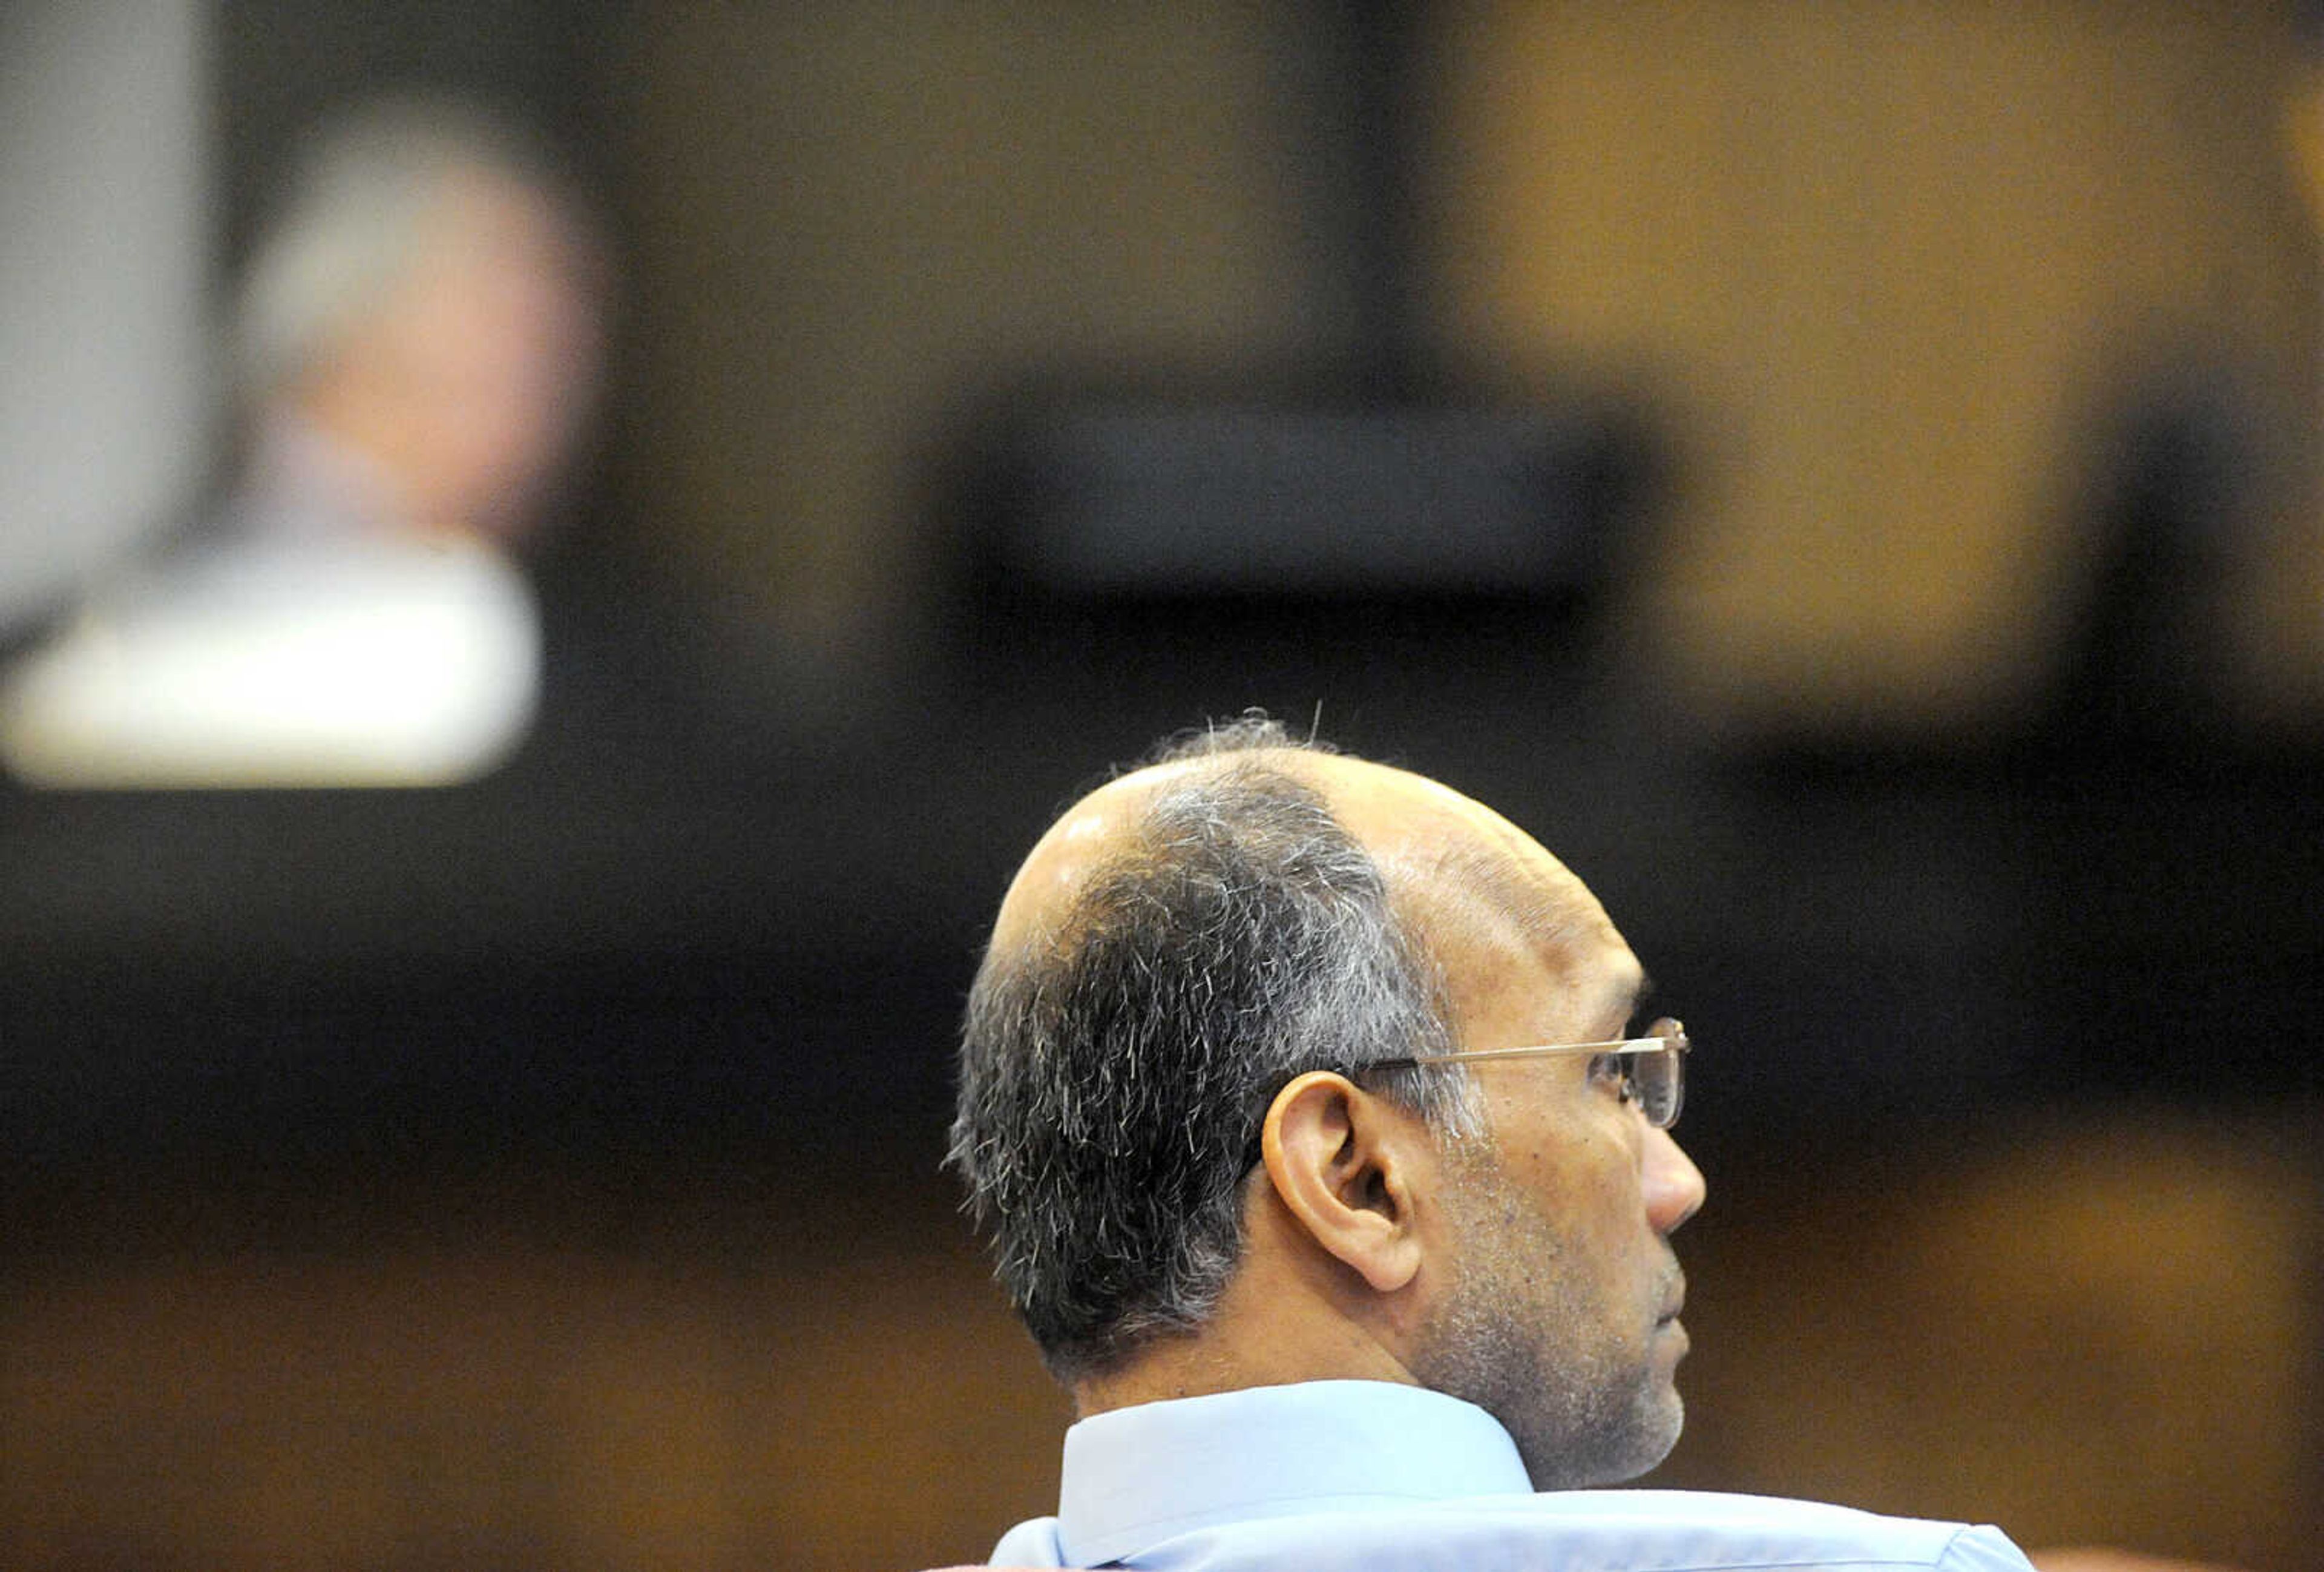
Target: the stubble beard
(1520, 1336)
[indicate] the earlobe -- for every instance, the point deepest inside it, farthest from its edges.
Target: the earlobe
(1336, 1156)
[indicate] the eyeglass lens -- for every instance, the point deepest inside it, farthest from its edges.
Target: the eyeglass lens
(1658, 1081)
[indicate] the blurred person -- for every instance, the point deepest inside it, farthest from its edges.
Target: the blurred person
(1305, 1102)
(416, 344)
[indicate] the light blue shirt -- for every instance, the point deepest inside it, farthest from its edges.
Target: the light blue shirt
(1361, 1475)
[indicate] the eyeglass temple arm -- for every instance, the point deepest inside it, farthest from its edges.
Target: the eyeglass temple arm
(1619, 1045)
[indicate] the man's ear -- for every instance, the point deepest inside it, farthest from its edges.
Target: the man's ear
(1341, 1160)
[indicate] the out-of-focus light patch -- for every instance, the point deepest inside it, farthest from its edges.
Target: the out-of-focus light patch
(105, 245)
(396, 664)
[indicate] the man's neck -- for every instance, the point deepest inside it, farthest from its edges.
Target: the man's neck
(1264, 1332)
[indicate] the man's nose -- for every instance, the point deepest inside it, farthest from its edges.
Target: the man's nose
(1673, 1185)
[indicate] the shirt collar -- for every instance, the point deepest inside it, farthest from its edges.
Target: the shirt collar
(1138, 1475)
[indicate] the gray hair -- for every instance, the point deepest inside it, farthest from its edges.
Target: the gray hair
(353, 222)
(1114, 1080)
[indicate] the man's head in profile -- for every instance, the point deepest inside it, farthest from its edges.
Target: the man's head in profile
(1238, 1106)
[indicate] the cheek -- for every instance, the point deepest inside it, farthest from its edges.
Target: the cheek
(1582, 1175)
(1591, 1176)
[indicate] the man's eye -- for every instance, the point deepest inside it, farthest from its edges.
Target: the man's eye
(1608, 1069)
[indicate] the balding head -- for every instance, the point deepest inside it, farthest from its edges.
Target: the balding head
(1460, 878)
(1180, 943)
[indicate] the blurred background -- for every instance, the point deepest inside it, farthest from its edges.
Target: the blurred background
(1845, 476)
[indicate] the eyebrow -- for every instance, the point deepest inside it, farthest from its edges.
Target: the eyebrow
(1633, 999)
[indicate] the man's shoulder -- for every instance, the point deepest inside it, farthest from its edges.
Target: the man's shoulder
(1660, 1531)
(1703, 1529)
(1592, 1530)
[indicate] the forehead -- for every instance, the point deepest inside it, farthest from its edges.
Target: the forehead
(1528, 952)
